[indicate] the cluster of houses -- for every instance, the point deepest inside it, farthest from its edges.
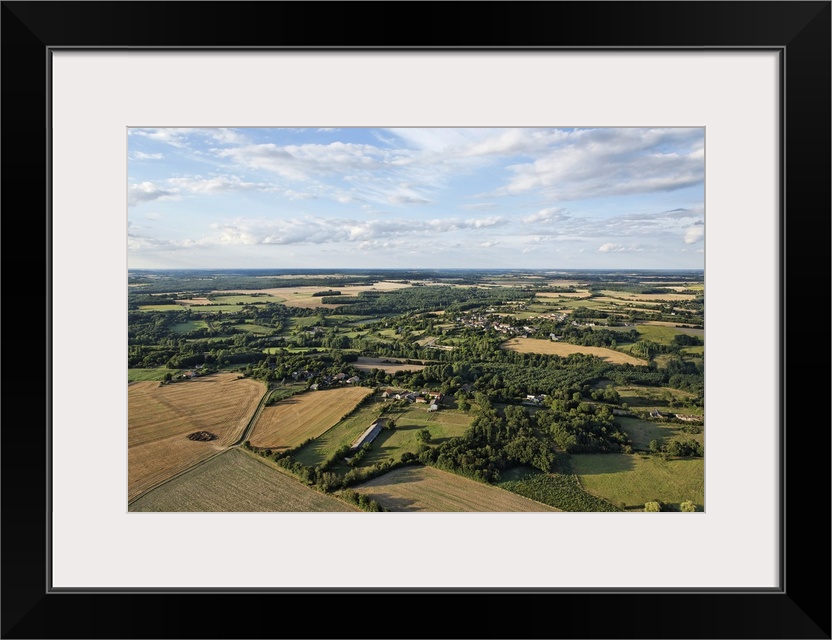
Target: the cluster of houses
(324, 381)
(193, 373)
(484, 322)
(431, 398)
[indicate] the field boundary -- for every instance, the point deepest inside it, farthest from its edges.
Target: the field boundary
(236, 444)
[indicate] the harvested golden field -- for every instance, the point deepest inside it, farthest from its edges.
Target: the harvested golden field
(547, 347)
(418, 488)
(388, 365)
(195, 301)
(236, 481)
(302, 297)
(675, 325)
(308, 415)
(578, 294)
(160, 419)
(621, 295)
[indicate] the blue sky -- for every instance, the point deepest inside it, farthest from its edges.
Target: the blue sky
(416, 197)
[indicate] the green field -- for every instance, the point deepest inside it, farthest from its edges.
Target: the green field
(403, 438)
(642, 432)
(214, 308)
(257, 329)
(236, 481)
(342, 433)
(161, 307)
(629, 481)
(143, 375)
(187, 327)
(641, 399)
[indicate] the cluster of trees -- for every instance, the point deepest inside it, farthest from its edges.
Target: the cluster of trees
(495, 441)
(687, 448)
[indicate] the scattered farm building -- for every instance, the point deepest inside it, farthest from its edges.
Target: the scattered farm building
(368, 436)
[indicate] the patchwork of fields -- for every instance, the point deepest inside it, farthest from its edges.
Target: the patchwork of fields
(428, 489)
(161, 417)
(240, 482)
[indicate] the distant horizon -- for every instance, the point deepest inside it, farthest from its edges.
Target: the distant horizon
(586, 198)
(417, 269)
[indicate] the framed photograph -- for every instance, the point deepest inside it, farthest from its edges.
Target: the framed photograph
(703, 147)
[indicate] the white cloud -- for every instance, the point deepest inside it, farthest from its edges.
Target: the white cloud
(400, 198)
(695, 233)
(153, 216)
(547, 216)
(217, 184)
(610, 247)
(608, 162)
(145, 192)
(138, 155)
(244, 231)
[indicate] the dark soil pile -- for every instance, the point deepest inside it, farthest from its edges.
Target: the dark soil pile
(202, 436)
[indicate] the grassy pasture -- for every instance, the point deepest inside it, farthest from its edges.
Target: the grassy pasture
(145, 375)
(410, 420)
(187, 327)
(160, 307)
(342, 433)
(642, 398)
(656, 333)
(307, 415)
(236, 481)
(547, 347)
(160, 419)
(632, 480)
(257, 329)
(641, 432)
(214, 308)
(418, 488)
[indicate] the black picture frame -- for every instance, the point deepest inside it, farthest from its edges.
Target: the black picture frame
(799, 31)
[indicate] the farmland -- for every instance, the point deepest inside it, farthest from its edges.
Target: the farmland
(342, 433)
(403, 438)
(260, 360)
(236, 481)
(547, 347)
(642, 432)
(631, 480)
(430, 489)
(301, 417)
(161, 417)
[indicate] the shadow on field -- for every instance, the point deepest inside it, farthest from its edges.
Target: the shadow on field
(395, 503)
(603, 463)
